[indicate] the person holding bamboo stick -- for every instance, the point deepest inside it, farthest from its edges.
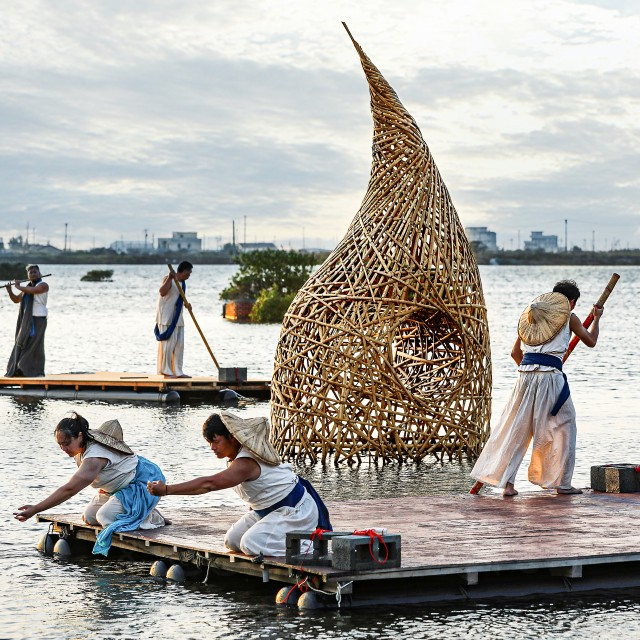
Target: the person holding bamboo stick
(540, 407)
(27, 357)
(169, 329)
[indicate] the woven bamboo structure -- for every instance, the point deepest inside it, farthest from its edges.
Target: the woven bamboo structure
(384, 353)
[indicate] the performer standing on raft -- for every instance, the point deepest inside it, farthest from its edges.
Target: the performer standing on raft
(280, 500)
(539, 407)
(169, 329)
(27, 357)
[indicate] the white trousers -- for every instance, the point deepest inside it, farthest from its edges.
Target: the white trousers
(171, 352)
(526, 417)
(103, 509)
(253, 535)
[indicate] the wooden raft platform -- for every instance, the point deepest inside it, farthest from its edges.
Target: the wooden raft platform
(454, 548)
(116, 385)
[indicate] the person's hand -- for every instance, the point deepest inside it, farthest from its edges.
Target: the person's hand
(25, 512)
(597, 311)
(157, 488)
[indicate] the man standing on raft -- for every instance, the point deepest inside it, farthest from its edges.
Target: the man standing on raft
(27, 357)
(539, 407)
(169, 329)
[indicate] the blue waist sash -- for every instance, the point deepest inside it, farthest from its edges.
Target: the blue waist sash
(292, 499)
(165, 335)
(547, 360)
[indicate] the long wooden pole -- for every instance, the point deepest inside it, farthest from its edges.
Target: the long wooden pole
(589, 319)
(11, 284)
(186, 304)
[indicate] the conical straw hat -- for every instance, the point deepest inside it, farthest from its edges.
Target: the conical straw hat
(110, 434)
(253, 434)
(544, 318)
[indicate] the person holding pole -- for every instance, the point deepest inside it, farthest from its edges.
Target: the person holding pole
(169, 329)
(540, 407)
(27, 357)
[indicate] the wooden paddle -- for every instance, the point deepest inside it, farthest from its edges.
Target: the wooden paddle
(589, 319)
(186, 304)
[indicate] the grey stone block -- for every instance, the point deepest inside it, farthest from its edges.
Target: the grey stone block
(615, 478)
(232, 374)
(361, 553)
(319, 554)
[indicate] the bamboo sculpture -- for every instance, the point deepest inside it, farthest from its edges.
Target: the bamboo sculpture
(384, 353)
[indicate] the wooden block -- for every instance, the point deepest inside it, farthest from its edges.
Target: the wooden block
(615, 478)
(318, 555)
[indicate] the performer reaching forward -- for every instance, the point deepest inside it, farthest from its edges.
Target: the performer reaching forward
(169, 327)
(27, 357)
(539, 407)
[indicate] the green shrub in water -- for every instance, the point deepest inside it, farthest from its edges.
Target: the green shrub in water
(97, 275)
(271, 305)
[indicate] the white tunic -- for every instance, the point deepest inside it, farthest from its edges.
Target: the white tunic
(40, 305)
(167, 307)
(119, 471)
(274, 483)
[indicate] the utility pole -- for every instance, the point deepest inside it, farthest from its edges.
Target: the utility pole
(27, 239)
(593, 241)
(233, 236)
(65, 235)
(565, 236)
(145, 240)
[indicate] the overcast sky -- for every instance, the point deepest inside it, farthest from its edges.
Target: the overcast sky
(118, 116)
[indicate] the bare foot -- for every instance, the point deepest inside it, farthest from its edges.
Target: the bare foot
(476, 488)
(571, 491)
(509, 490)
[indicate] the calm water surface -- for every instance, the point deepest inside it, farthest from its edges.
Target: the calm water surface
(109, 326)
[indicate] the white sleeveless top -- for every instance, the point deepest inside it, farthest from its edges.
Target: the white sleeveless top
(40, 305)
(119, 471)
(167, 307)
(273, 484)
(557, 347)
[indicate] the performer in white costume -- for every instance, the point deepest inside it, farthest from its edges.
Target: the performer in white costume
(539, 408)
(169, 329)
(280, 500)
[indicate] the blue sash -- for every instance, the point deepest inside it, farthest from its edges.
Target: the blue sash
(292, 499)
(137, 502)
(547, 360)
(165, 335)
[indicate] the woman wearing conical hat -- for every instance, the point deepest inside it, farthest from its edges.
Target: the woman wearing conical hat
(280, 500)
(108, 464)
(540, 407)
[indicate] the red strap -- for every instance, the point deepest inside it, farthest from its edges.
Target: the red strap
(373, 534)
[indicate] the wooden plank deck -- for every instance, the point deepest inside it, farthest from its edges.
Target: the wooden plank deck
(459, 546)
(197, 387)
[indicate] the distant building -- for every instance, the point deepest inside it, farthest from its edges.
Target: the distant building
(18, 246)
(483, 235)
(183, 241)
(131, 247)
(549, 244)
(245, 247)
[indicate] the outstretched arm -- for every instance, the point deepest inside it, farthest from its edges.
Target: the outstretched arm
(83, 477)
(238, 471)
(588, 336)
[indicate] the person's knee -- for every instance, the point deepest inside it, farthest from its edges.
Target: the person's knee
(249, 546)
(89, 516)
(105, 516)
(231, 541)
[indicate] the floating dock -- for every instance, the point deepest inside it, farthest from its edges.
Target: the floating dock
(131, 386)
(453, 549)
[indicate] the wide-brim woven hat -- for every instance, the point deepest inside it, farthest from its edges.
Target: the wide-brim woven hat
(544, 318)
(253, 434)
(110, 434)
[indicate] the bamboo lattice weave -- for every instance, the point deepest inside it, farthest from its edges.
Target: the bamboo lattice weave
(384, 353)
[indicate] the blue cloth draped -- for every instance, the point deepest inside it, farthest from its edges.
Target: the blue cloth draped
(292, 499)
(547, 360)
(26, 298)
(137, 502)
(165, 335)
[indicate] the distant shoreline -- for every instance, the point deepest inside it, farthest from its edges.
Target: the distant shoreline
(630, 257)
